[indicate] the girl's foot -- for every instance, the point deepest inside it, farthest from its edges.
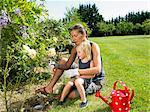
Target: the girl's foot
(84, 104)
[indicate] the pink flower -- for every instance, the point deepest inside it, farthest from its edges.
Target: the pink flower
(4, 20)
(18, 12)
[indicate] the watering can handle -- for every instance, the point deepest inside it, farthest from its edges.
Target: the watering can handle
(122, 83)
(132, 95)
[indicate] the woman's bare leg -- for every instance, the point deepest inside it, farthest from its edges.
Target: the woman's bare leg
(55, 78)
(79, 85)
(73, 94)
(66, 90)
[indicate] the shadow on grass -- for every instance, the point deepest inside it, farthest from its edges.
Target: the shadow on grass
(106, 109)
(69, 102)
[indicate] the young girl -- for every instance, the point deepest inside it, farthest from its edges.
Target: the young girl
(81, 82)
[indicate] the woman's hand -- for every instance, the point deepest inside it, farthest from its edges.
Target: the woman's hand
(87, 76)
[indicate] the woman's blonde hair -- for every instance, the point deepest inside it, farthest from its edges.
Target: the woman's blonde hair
(85, 46)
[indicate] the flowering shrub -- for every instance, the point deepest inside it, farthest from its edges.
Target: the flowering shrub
(29, 40)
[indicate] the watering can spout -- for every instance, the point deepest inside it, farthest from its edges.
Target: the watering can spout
(98, 94)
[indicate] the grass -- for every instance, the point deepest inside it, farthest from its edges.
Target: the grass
(125, 58)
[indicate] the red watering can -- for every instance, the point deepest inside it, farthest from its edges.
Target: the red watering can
(120, 99)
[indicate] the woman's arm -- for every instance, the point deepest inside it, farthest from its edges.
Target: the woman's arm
(91, 64)
(96, 69)
(69, 61)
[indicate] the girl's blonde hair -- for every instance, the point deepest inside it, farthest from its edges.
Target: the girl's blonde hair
(86, 47)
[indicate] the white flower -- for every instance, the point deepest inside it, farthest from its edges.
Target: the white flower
(39, 70)
(51, 52)
(32, 53)
(27, 48)
(25, 35)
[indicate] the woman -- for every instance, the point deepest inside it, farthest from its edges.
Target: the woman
(78, 35)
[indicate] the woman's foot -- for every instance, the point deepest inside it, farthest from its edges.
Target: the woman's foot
(60, 103)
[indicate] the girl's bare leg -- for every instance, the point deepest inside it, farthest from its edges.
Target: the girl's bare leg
(79, 85)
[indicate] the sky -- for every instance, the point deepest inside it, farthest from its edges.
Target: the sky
(107, 8)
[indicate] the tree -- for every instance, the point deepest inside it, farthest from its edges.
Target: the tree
(146, 26)
(137, 17)
(124, 28)
(133, 17)
(90, 15)
(71, 15)
(103, 28)
(106, 28)
(111, 28)
(72, 18)
(138, 29)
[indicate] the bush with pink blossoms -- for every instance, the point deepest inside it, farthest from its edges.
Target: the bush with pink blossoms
(21, 25)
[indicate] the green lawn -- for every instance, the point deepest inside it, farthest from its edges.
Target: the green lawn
(125, 58)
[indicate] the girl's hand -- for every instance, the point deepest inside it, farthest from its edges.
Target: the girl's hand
(75, 73)
(77, 77)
